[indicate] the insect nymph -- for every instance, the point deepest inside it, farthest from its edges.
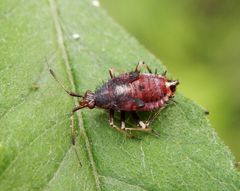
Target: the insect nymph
(128, 92)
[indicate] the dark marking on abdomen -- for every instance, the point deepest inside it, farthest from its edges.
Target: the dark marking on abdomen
(141, 87)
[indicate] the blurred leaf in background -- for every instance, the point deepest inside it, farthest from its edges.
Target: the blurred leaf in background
(199, 42)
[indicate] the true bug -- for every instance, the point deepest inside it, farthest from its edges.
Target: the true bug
(128, 92)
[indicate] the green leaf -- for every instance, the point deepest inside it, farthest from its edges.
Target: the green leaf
(81, 43)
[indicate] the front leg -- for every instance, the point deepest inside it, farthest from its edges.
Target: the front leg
(73, 135)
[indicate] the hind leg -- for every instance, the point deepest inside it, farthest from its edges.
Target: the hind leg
(143, 126)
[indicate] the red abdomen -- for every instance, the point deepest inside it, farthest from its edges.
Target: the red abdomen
(133, 92)
(149, 88)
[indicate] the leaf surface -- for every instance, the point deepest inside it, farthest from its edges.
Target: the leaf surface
(81, 43)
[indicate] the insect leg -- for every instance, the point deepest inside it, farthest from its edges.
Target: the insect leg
(137, 119)
(72, 123)
(111, 122)
(140, 65)
(122, 120)
(206, 112)
(111, 72)
(73, 131)
(111, 117)
(143, 126)
(164, 73)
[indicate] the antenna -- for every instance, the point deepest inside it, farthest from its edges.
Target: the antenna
(61, 84)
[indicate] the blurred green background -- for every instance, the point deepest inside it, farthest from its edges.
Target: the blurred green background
(199, 42)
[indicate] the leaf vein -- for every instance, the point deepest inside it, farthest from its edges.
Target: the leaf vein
(30, 143)
(114, 178)
(60, 41)
(58, 167)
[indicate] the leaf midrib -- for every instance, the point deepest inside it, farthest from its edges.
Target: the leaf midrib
(61, 44)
